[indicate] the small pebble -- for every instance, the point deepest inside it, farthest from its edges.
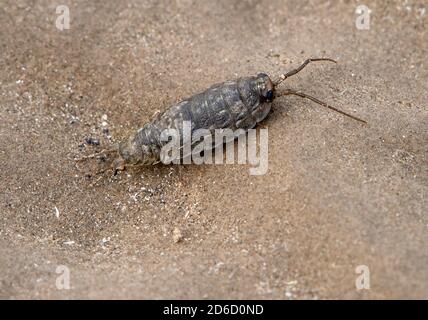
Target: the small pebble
(92, 141)
(177, 235)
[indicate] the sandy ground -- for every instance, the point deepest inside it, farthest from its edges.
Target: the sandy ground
(337, 194)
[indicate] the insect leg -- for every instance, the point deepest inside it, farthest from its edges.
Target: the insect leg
(104, 151)
(297, 70)
(120, 165)
(306, 96)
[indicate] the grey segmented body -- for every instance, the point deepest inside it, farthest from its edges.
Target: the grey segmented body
(238, 104)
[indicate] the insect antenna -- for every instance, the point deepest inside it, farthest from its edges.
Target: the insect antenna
(290, 73)
(306, 96)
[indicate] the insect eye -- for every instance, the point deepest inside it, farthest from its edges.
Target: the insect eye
(269, 95)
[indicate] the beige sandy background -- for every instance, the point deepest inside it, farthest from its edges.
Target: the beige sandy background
(337, 194)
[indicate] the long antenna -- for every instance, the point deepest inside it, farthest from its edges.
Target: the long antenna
(284, 76)
(297, 70)
(306, 96)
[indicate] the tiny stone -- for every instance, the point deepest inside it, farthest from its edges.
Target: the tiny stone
(176, 235)
(92, 141)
